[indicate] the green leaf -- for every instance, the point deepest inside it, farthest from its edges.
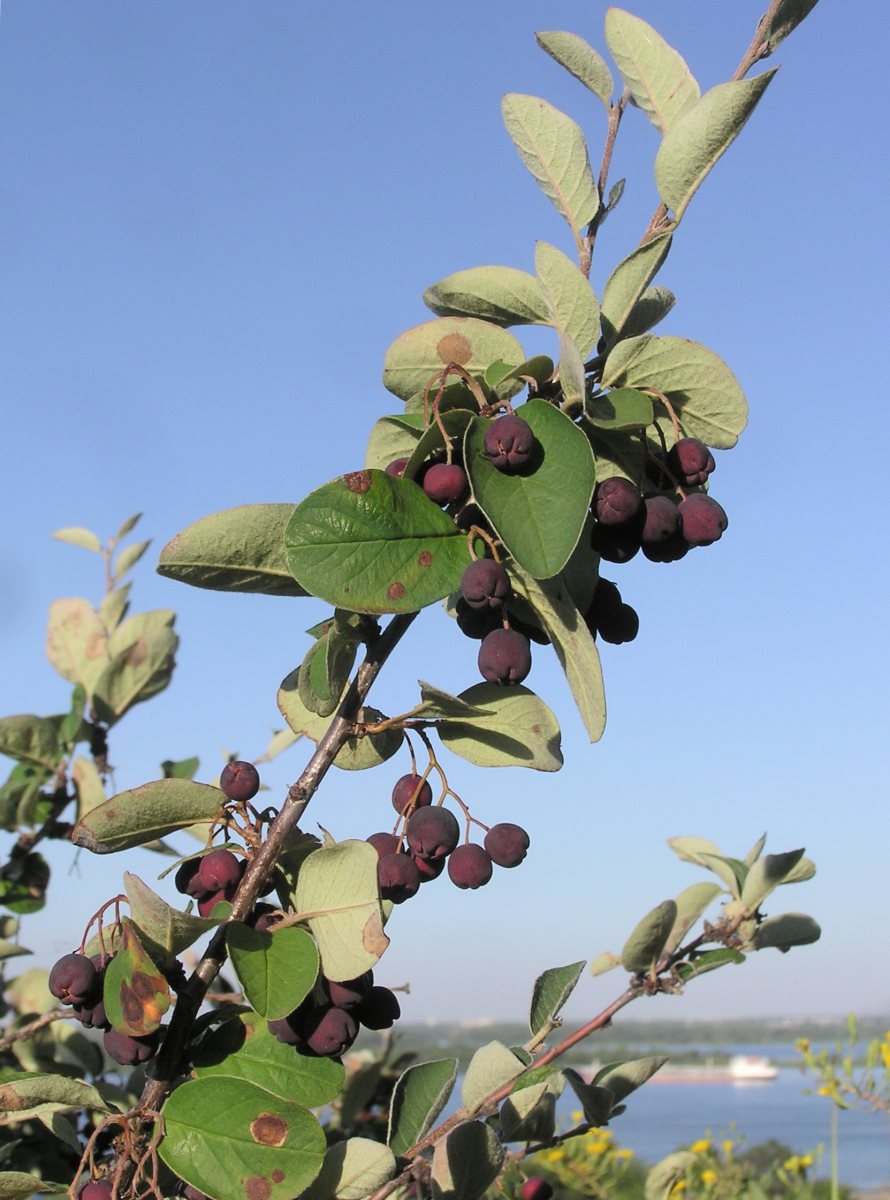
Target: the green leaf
(337, 895)
(127, 527)
(529, 1113)
(581, 60)
(76, 535)
(628, 283)
(391, 438)
(534, 372)
(275, 970)
(702, 135)
(804, 870)
(552, 146)
(145, 813)
(418, 1098)
(691, 849)
(230, 1139)
(571, 306)
(455, 422)
(785, 931)
(184, 768)
(709, 961)
(437, 705)
(29, 993)
(30, 739)
(23, 882)
(765, 875)
(755, 852)
(375, 544)
(573, 643)
(87, 784)
(164, 931)
(238, 550)
(466, 1162)
(352, 1170)
(359, 753)
(245, 1049)
(539, 513)
(785, 20)
(652, 307)
(664, 1175)
(659, 80)
(572, 379)
(622, 408)
(128, 558)
(691, 903)
(596, 1102)
(622, 1078)
(135, 673)
(135, 992)
(516, 730)
(552, 989)
(730, 870)
(113, 607)
(15, 1184)
(491, 1066)
(325, 670)
(643, 948)
(12, 950)
(23, 1093)
(502, 295)
(422, 352)
(76, 642)
(705, 394)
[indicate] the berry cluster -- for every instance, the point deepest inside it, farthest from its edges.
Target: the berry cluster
(628, 520)
(482, 612)
(77, 981)
(327, 1022)
(430, 843)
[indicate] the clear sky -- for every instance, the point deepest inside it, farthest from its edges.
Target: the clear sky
(215, 219)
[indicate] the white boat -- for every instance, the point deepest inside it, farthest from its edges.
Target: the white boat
(741, 1068)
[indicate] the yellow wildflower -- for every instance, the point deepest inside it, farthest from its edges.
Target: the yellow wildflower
(600, 1146)
(555, 1155)
(624, 1153)
(708, 1177)
(885, 1053)
(802, 1044)
(679, 1186)
(806, 1160)
(577, 1115)
(728, 1146)
(792, 1163)
(702, 1146)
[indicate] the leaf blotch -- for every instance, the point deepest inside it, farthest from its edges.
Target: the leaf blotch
(454, 348)
(358, 481)
(257, 1188)
(10, 1101)
(395, 591)
(269, 1130)
(277, 1176)
(425, 558)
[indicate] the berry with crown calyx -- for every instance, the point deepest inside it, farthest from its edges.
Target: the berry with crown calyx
(240, 781)
(505, 657)
(485, 585)
(508, 442)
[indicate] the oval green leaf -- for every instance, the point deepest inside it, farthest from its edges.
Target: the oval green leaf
(645, 944)
(467, 1162)
(538, 514)
(237, 550)
(491, 1067)
(571, 306)
(375, 544)
(234, 1141)
(552, 989)
(276, 970)
(420, 353)
(516, 730)
(628, 282)
(359, 753)
(135, 993)
(352, 1170)
(145, 813)
(659, 80)
(581, 60)
(164, 931)
(391, 438)
(76, 642)
(502, 295)
(418, 1097)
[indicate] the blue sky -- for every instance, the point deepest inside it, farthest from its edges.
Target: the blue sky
(216, 218)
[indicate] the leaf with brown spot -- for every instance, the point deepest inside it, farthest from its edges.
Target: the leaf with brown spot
(146, 813)
(419, 353)
(136, 994)
(232, 1140)
(76, 642)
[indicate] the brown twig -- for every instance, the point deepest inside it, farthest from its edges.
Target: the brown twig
(26, 1031)
(616, 112)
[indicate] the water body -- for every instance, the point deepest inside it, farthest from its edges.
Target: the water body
(664, 1117)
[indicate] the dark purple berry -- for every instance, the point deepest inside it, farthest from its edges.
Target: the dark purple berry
(506, 844)
(485, 584)
(432, 832)
(428, 868)
(671, 549)
(329, 1031)
(508, 442)
(623, 627)
(385, 843)
(207, 904)
(263, 918)
(606, 603)
(403, 794)
(662, 520)
(396, 468)
(285, 1031)
(469, 866)
(505, 656)
(445, 483)
(219, 870)
(351, 992)
(475, 622)
(95, 1189)
(192, 1193)
(703, 520)
(186, 879)
(379, 1009)
(130, 1051)
(535, 1188)
(690, 461)
(616, 501)
(91, 1016)
(617, 543)
(74, 980)
(240, 781)
(398, 878)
